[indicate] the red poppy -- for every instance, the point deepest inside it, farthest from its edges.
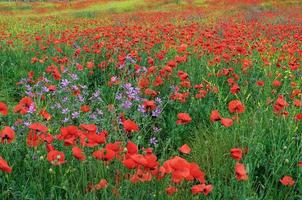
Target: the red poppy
(183, 118)
(130, 163)
(298, 116)
(300, 164)
(197, 173)
(215, 116)
(85, 108)
(56, 157)
(287, 181)
(102, 184)
(260, 83)
(235, 89)
(280, 104)
(7, 135)
(52, 88)
(201, 188)
(185, 149)
(235, 106)
(69, 134)
(45, 114)
(24, 105)
(143, 82)
(297, 103)
(89, 127)
(132, 148)
(277, 83)
(78, 153)
(171, 190)
(130, 126)
(4, 166)
(149, 105)
(104, 154)
(46, 137)
(236, 153)
(3, 109)
(38, 127)
(33, 139)
(227, 122)
(240, 172)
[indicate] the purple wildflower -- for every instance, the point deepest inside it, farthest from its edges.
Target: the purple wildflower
(118, 96)
(141, 109)
(127, 104)
(74, 77)
(65, 111)
(65, 83)
(156, 112)
(65, 120)
(153, 141)
(75, 115)
(31, 108)
(156, 129)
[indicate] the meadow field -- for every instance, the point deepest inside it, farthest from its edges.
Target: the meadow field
(151, 100)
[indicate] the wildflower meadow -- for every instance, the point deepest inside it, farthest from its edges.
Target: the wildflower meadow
(151, 100)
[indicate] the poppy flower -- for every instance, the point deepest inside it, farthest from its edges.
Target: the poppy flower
(56, 157)
(89, 127)
(46, 137)
(236, 153)
(201, 188)
(85, 108)
(260, 83)
(300, 164)
(227, 122)
(196, 172)
(102, 184)
(4, 166)
(25, 105)
(235, 89)
(104, 154)
(196, 189)
(297, 103)
(130, 126)
(185, 149)
(287, 181)
(7, 135)
(277, 83)
(38, 127)
(33, 139)
(215, 116)
(78, 153)
(207, 189)
(183, 118)
(131, 148)
(149, 105)
(171, 190)
(280, 104)
(235, 106)
(298, 116)
(3, 109)
(240, 172)
(69, 134)
(129, 163)
(52, 88)
(45, 114)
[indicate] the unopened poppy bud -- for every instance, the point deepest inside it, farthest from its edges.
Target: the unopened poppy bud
(286, 161)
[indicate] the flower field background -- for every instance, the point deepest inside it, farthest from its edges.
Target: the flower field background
(149, 99)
